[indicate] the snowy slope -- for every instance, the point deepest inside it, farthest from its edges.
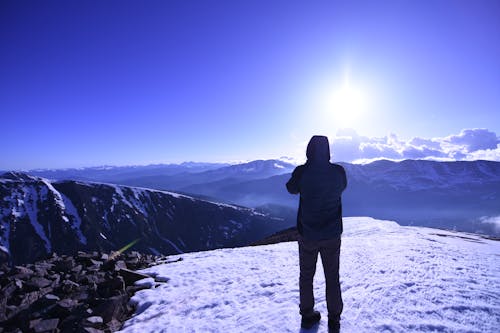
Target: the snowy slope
(38, 217)
(394, 279)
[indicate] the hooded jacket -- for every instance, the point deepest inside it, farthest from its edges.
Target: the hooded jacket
(320, 185)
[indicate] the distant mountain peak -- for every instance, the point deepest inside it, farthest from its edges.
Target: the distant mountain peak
(19, 176)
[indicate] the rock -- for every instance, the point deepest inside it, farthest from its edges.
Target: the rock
(132, 262)
(71, 323)
(44, 305)
(133, 289)
(113, 308)
(30, 298)
(36, 283)
(131, 276)
(65, 307)
(118, 284)
(96, 262)
(55, 279)
(8, 290)
(65, 265)
(81, 294)
(91, 330)
(68, 286)
(77, 269)
(40, 270)
(114, 325)
(3, 308)
(94, 321)
(22, 276)
(59, 294)
(18, 283)
(120, 264)
(47, 325)
(51, 298)
(22, 270)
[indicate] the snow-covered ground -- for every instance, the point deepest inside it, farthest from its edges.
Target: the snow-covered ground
(394, 279)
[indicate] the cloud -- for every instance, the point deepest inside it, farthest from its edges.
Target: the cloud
(492, 220)
(474, 139)
(469, 144)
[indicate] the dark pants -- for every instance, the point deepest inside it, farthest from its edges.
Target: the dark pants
(308, 256)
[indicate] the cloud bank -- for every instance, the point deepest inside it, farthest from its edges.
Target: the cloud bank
(493, 220)
(469, 144)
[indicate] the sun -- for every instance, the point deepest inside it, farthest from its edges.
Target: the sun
(346, 105)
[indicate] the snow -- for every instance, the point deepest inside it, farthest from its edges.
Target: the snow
(121, 196)
(139, 202)
(30, 198)
(169, 242)
(154, 251)
(393, 279)
(57, 195)
(70, 209)
(147, 282)
(5, 231)
(278, 166)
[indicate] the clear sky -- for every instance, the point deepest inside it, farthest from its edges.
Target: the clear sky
(87, 83)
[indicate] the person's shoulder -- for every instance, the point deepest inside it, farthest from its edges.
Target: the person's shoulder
(337, 167)
(299, 169)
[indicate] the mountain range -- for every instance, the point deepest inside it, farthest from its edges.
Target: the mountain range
(200, 206)
(38, 217)
(461, 195)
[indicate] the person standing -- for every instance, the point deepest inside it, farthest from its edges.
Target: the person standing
(319, 223)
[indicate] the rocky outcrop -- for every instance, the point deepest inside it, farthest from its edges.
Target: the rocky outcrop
(88, 292)
(288, 235)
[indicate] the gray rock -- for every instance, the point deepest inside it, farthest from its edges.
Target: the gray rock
(65, 265)
(38, 283)
(68, 286)
(113, 308)
(65, 307)
(47, 325)
(130, 276)
(94, 320)
(91, 330)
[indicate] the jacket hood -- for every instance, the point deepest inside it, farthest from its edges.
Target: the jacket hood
(318, 149)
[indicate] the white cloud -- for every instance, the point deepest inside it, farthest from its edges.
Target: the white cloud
(469, 144)
(494, 220)
(474, 139)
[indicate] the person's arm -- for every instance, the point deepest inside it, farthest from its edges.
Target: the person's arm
(344, 177)
(293, 184)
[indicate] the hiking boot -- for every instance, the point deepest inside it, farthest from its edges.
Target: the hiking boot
(310, 320)
(333, 325)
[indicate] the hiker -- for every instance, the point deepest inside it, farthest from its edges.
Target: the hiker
(319, 223)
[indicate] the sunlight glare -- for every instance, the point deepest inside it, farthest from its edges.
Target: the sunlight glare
(346, 105)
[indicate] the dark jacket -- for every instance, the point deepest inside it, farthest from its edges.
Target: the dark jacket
(320, 184)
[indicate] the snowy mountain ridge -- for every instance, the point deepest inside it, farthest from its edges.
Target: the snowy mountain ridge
(38, 217)
(417, 175)
(393, 279)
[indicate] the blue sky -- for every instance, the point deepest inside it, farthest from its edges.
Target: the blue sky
(87, 83)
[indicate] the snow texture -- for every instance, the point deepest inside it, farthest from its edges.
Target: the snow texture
(24, 202)
(76, 221)
(393, 279)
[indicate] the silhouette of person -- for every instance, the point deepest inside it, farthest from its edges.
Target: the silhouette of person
(319, 223)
